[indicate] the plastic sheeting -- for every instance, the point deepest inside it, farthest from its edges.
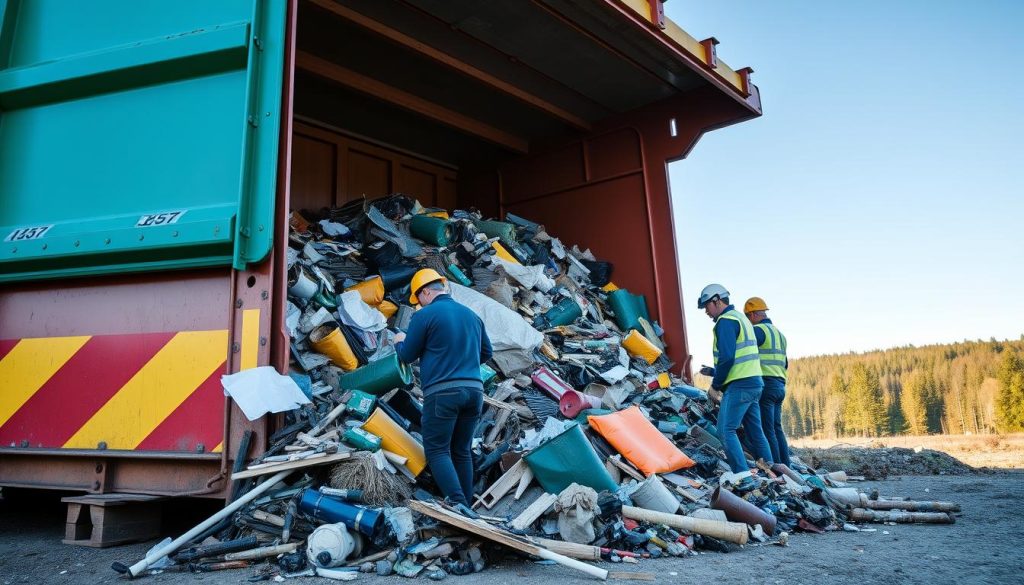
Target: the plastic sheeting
(528, 276)
(506, 329)
(355, 312)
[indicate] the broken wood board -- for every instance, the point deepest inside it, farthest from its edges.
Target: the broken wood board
(502, 485)
(499, 425)
(626, 468)
(495, 534)
(289, 465)
(534, 511)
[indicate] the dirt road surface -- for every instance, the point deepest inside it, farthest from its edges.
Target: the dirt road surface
(984, 546)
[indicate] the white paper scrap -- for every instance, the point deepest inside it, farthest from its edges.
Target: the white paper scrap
(261, 390)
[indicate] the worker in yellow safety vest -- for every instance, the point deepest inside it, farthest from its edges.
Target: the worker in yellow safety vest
(771, 348)
(737, 374)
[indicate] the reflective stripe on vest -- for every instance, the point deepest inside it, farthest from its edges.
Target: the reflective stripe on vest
(772, 351)
(746, 363)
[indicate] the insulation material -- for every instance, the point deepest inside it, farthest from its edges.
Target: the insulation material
(639, 441)
(371, 290)
(505, 327)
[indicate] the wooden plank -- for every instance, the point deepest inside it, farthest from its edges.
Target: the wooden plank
(503, 485)
(626, 468)
(533, 511)
(455, 64)
(289, 465)
(405, 100)
(498, 403)
(492, 533)
(623, 576)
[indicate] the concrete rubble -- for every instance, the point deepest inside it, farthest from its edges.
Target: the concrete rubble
(589, 449)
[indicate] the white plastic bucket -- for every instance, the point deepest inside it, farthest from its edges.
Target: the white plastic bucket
(653, 495)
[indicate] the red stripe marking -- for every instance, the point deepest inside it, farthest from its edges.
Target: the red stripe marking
(199, 419)
(6, 345)
(80, 388)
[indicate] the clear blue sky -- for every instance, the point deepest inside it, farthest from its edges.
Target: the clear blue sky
(878, 202)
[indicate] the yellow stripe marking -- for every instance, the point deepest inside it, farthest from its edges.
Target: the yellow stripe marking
(219, 447)
(250, 337)
(156, 390)
(29, 364)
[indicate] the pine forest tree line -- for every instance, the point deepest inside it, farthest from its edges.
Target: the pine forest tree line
(969, 387)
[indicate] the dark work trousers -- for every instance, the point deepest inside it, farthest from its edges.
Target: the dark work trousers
(740, 406)
(771, 417)
(449, 418)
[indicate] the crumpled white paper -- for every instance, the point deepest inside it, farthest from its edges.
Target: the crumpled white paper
(258, 391)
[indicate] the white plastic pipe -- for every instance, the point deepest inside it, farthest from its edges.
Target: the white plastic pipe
(138, 568)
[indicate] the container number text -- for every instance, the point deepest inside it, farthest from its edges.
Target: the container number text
(155, 219)
(27, 233)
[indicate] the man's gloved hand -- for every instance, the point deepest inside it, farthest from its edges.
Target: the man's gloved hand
(708, 371)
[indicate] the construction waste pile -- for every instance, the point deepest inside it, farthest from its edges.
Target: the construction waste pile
(588, 448)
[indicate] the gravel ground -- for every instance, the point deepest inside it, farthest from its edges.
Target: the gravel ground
(984, 546)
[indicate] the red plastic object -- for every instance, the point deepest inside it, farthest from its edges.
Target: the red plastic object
(573, 402)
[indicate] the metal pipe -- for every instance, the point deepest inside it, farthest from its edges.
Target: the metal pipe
(863, 515)
(263, 552)
(138, 568)
(911, 506)
(739, 510)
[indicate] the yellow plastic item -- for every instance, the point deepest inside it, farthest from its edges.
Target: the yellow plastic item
(609, 287)
(442, 214)
(503, 253)
(395, 439)
(329, 341)
(639, 346)
(421, 279)
(371, 291)
(639, 441)
(387, 308)
(664, 381)
(754, 304)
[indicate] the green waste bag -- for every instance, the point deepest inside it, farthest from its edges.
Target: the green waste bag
(497, 229)
(432, 230)
(569, 458)
(627, 310)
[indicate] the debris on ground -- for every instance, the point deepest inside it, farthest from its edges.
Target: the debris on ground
(880, 462)
(588, 449)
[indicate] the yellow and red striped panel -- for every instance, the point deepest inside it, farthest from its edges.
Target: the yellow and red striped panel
(143, 391)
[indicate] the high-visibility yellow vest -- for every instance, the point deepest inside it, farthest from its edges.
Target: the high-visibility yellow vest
(746, 363)
(772, 351)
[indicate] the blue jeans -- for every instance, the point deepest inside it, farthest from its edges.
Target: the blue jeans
(449, 418)
(740, 406)
(771, 418)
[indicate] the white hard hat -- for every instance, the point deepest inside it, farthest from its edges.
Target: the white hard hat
(709, 293)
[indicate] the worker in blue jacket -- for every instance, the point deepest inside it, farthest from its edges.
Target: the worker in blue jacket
(450, 341)
(771, 348)
(737, 374)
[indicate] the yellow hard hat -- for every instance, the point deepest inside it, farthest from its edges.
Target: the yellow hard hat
(421, 279)
(754, 304)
